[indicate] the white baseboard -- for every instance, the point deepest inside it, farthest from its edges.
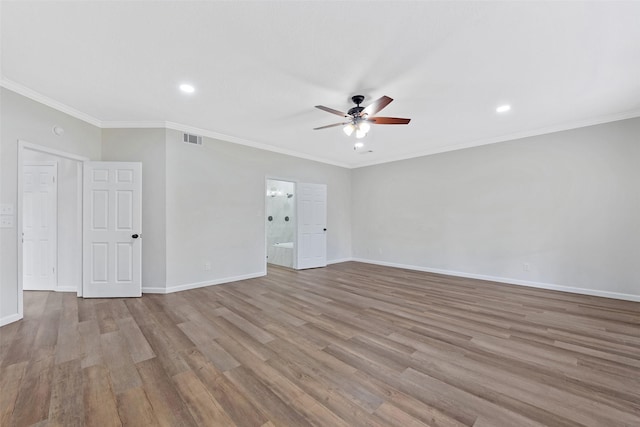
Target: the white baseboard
(66, 288)
(10, 319)
(338, 261)
(550, 286)
(154, 290)
(187, 286)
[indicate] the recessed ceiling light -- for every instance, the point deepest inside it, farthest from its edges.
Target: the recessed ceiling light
(503, 108)
(186, 88)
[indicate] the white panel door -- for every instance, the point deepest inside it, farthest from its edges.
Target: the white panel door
(112, 229)
(312, 225)
(39, 227)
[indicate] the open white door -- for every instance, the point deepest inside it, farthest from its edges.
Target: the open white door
(312, 225)
(39, 227)
(112, 227)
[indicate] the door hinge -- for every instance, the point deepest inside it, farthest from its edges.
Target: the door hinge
(53, 178)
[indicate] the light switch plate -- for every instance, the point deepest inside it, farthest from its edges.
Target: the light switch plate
(6, 221)
(6, 209)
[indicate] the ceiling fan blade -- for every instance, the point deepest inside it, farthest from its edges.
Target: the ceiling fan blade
(333, 125)
(388, 120)
(332, 111)
(376, 106)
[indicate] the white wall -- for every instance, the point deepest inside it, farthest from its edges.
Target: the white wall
(216, 208)
(146, 146)
(24, 119)
(566, 203)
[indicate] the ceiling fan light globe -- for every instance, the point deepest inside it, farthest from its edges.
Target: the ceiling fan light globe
(360, 134)
(348, 129)
(364, 127)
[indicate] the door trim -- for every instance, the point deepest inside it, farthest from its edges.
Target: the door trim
(24, 145)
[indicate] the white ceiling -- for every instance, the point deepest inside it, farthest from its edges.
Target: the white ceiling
(260, 67)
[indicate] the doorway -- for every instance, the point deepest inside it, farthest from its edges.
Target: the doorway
(280, 207)
(63, 258)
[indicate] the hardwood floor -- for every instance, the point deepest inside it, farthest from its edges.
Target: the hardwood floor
(348, 345)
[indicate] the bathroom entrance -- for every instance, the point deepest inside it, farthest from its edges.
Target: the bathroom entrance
(281, 223)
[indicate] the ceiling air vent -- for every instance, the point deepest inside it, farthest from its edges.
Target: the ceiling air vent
(191, 139)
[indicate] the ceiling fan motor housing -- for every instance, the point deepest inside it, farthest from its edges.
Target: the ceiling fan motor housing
(357, 99)
(355, 111)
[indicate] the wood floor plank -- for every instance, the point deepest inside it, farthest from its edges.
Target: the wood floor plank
(137, 344)
(277, 411)
(10, 379)
(22, 346)
(90, 336)
(67, 403)
(122, 370)
(135, 409)
(204, 408)
(168, 406)
(347, 345)
(100, 408)
(241, 410)
(34, 395)
(104, 315)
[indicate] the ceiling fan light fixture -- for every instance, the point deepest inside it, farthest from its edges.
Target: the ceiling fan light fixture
(364, 127)
(358, 145)
(360, 134)
(348, 129)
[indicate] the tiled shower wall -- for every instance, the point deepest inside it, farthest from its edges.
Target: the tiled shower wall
(281, 227)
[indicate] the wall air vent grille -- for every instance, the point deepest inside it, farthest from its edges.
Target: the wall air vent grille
(188, 138)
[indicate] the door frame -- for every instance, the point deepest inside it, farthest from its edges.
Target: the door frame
(22, 146)
(295, 213)
(55, 167)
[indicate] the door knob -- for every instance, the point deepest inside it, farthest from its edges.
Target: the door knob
(324, 229)
(135, 236)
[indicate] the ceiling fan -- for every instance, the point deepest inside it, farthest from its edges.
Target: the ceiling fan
(359, 118)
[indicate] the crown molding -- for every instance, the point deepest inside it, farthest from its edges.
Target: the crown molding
(132, 124)
(510, 137)
(42, 99)
(153, 124)
(253, 144)
(215, 135)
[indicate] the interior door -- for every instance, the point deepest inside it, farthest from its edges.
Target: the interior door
(39, 229)
(112, 229)
(312, 225)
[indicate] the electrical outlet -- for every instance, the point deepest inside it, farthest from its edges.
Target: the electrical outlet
(6, 221)
(526, 267)
(207, 266)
